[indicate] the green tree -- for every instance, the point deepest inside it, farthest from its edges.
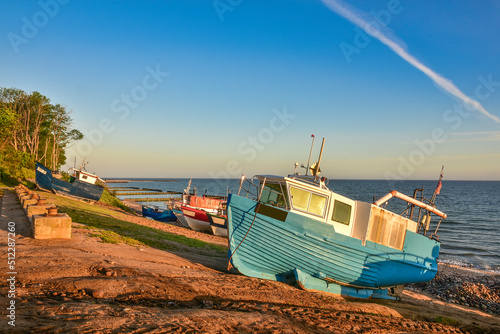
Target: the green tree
(57, 135)
(32, 129)
(8, 121)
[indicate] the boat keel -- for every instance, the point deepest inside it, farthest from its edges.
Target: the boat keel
(309, 282)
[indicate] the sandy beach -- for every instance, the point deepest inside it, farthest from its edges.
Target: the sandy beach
(82, 285)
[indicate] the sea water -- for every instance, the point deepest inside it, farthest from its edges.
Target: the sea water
(470, 236)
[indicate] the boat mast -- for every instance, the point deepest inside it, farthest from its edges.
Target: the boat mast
(438, 187)
(316, 169)
(309, 160)
(82, 166)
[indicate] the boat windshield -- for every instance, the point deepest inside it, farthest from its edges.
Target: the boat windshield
(269, 190)
(308, 201)
(274, 194)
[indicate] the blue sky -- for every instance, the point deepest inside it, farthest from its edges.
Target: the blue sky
(220, 88)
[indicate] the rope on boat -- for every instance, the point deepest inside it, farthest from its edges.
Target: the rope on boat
(229, 265)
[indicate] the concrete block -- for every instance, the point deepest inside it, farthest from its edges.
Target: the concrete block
(34, 209)
(51, 227)
(27, 202)
(24, 196)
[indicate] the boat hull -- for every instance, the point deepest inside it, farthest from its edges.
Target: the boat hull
(218, 225)
(45, 180)
(196, 219)
(272, 242)
(163, 216)
(181, 218)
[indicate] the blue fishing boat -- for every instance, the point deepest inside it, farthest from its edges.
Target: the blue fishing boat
(82, 183)
(157, 214)
(295, 229)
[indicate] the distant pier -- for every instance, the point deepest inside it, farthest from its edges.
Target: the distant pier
(133, 193)
(154, 199)
(127, 181)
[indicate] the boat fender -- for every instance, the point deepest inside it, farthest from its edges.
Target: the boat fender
(424, 222)
(427, 222)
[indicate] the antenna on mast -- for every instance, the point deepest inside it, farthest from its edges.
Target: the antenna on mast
(316, 169)
(309, 160)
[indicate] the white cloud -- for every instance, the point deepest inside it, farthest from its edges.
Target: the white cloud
(356, 16)
(480, 136)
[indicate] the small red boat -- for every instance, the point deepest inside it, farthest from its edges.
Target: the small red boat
(195, 208)
(197, 219)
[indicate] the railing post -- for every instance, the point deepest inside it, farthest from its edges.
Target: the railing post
(241, 183)
(261, 189)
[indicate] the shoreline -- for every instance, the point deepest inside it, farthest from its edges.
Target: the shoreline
(469, 287)
(469, 266)
(137, 208)
(475, 249)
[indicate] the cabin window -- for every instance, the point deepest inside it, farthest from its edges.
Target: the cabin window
(317, 205)
(341, 212)
(306, 201)
(84, 177)
(272, 193)
(300, 198)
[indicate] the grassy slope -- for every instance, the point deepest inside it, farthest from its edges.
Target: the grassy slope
(106, 224)
(9, 182)
(111, 199)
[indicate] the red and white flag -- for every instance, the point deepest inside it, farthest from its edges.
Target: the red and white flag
(438, 188)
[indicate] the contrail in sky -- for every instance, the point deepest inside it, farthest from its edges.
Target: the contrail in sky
(356, 16)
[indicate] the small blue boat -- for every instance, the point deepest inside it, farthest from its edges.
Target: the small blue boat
(82, 185)
(294, 229)
(156, 214)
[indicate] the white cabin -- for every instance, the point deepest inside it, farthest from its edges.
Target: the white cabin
(84, 176)
(356, 219)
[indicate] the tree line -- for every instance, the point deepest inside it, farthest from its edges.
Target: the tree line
(32, 129)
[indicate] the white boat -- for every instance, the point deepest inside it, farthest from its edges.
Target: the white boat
(81, 174)
(180, 216)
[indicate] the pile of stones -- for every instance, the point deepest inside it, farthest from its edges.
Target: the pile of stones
(481, 291)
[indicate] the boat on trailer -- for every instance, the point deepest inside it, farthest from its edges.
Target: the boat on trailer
(82, 184)
(295, 229)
